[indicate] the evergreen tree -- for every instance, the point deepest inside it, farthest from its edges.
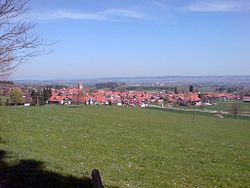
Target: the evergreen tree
(37, 98)
(176, 90)
(46, 94)
(34, 97)
(191, 88)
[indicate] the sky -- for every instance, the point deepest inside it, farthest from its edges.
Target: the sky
(126, 38)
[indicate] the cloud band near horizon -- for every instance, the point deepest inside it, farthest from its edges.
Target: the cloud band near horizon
(218, 6)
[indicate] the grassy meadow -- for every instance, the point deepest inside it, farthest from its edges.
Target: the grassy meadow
(131, 147)
(227, 106)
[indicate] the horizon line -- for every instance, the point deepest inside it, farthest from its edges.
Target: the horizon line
(120, 77)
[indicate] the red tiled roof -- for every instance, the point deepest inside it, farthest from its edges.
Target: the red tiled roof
(195, 98)
(192, 97)
(56, 98)
(100, 99)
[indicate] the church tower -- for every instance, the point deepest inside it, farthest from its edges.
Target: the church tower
(80, 85)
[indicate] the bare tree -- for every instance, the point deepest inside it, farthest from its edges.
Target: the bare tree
(235, 109)
(18, 39)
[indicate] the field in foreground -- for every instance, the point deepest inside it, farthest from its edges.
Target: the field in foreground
(131, 147)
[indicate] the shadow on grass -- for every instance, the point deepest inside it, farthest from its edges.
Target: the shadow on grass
(31, 173)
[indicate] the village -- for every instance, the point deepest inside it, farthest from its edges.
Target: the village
(87, 96)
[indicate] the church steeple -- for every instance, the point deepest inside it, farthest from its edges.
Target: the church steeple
(80, 85)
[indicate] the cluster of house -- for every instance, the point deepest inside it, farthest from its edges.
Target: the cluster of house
(132, 98)
(82, 95)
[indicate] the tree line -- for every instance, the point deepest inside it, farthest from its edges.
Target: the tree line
(38, 97)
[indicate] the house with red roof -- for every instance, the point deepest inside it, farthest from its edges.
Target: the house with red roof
(100, 99)
(246, 99)
(59, 100)
(185, 99)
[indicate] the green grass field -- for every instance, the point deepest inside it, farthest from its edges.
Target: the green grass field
(244, 108)
(131, 147)
(226, 106)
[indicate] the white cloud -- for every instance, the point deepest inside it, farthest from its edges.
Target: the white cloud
(218, 6)
(161, 5)
(61, 14)
(122, 13)
(104, 15)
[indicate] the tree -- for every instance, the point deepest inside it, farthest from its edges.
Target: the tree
(191, 88)
(235, 109)
(16, 96)
(46, 94)
(38, 97)
(80, 94)
(176, 90)
(18, 39)
(202, 97)
(34, 97)
(242, 94)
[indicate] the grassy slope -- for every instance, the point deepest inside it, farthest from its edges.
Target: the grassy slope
(131, 147)
(226, 106)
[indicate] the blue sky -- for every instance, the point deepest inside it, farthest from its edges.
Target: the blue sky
(113, 38)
